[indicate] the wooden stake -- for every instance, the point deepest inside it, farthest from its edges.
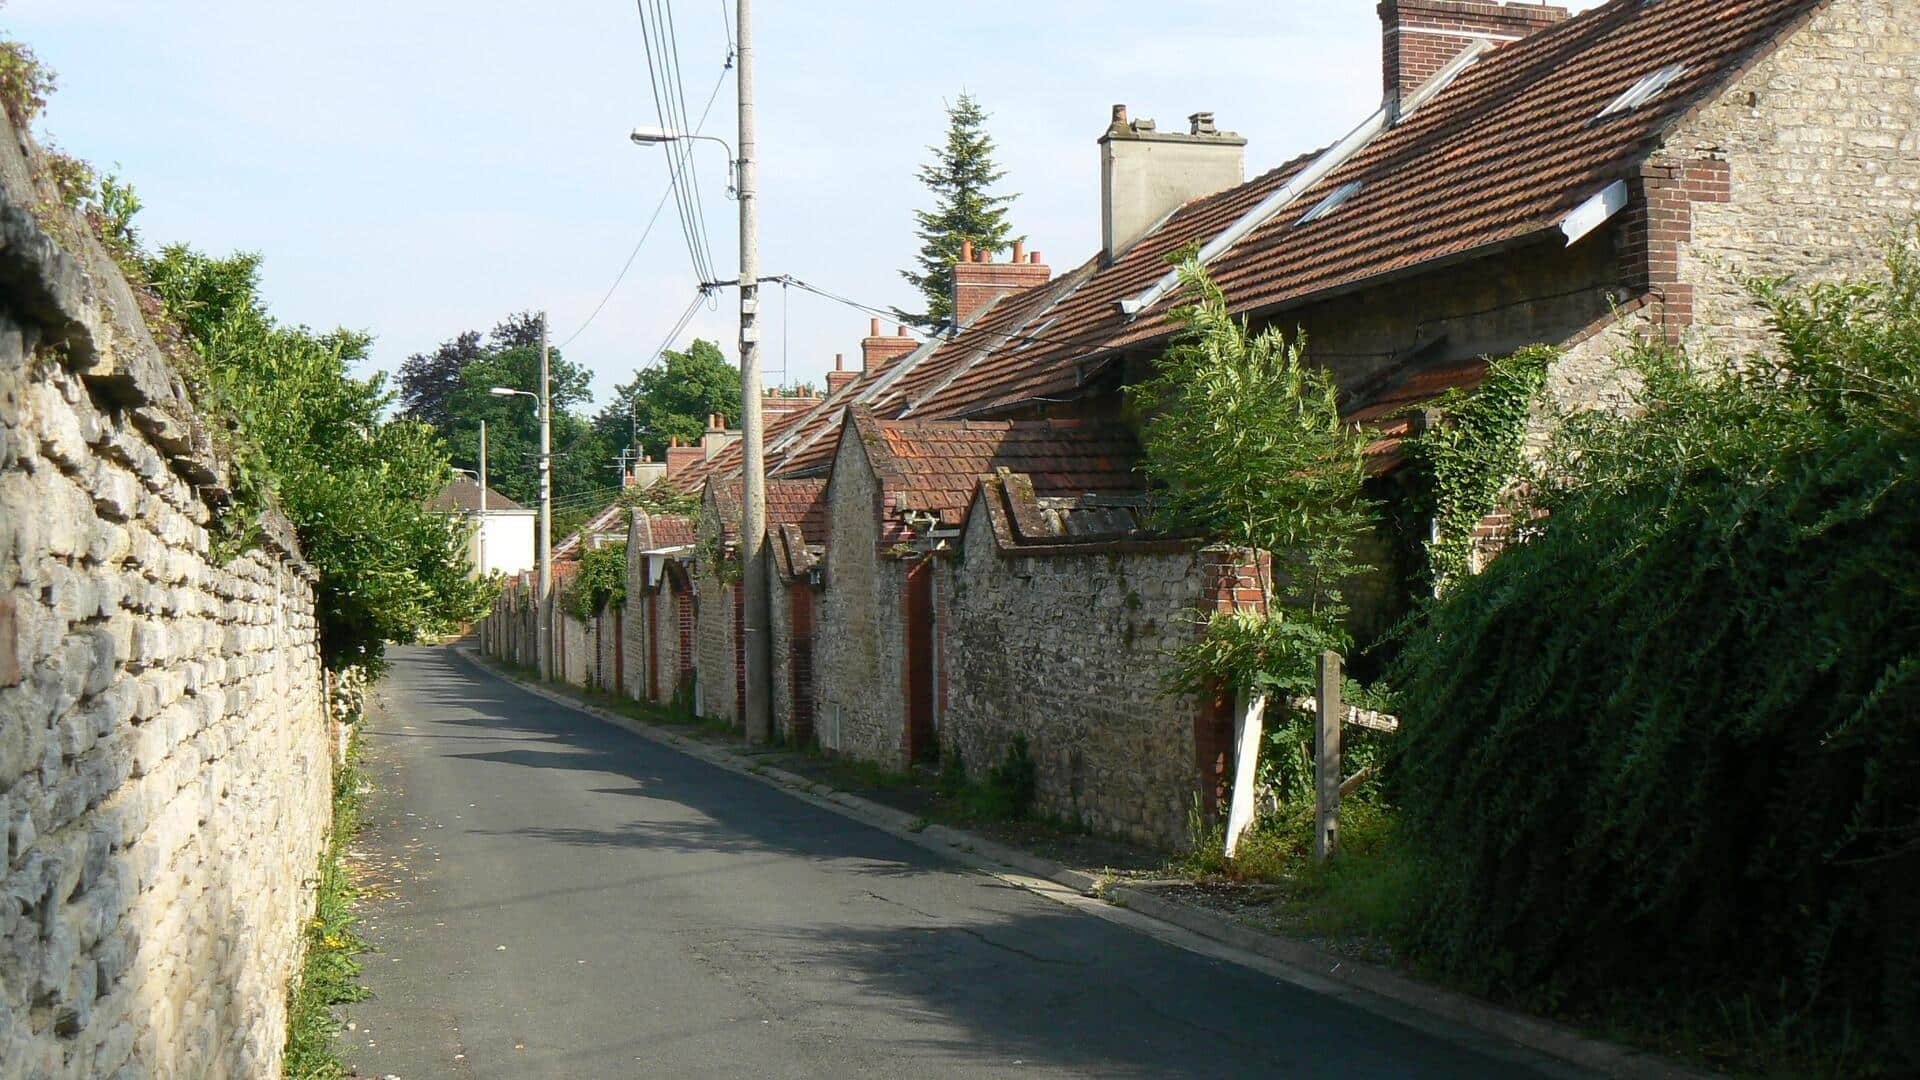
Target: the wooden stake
(1247, 717)
(1326, 758)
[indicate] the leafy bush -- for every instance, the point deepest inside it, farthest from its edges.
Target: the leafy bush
(1011, 785)
(24, 83)
(1673, 737)
(600, 582)
(354, 483)
(1246, 445)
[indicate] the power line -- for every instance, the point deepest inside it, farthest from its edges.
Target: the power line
(669, 98)
(654, 219)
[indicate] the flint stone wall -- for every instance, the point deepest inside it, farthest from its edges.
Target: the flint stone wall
(859, 639)
(1070, 650)
(164, 761)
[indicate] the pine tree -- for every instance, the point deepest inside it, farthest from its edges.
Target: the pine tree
(964, 209)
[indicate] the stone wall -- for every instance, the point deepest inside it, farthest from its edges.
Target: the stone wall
(164, 760)
(610, 628)
(859, 645)
(577, 650)
(713, 647)
(1069, 650)
(1820, 145)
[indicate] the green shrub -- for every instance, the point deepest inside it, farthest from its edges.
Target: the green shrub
(1672, 738)
(1011, 785)
(600, 583)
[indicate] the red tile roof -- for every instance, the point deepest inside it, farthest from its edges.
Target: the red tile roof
(671, 530)
(790, 501)
(934, 466)
(1498, 157)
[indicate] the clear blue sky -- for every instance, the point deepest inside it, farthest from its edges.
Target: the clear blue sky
(423, 167)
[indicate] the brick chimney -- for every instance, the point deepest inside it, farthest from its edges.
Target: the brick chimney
(1146, 172)
(978, 280)
(680, 457)
(1419, 37)
(774, 404)
(876, 350)
(840, 378)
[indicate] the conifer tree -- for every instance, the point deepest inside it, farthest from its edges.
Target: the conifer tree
(960, 176)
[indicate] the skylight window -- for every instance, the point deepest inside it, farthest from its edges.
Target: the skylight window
(1643, 91)
(1334, 200)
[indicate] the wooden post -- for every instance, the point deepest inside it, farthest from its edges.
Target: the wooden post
(1326, 758)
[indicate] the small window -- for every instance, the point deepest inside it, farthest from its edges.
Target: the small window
(1332, 202)
(1643, 91)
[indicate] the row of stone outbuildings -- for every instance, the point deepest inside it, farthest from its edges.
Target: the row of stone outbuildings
(960, 547)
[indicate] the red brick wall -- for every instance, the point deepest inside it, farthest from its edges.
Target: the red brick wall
(1234, 579)
(1658, 221)
(800, 653)
(1412, 57)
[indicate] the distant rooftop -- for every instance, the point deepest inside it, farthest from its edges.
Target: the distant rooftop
(462, 496)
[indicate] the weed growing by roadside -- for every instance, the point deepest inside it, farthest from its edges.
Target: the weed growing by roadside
(329, 975)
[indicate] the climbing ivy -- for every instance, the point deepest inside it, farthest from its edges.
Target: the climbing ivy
(710, 551)
(1475, 455)
(600, 583)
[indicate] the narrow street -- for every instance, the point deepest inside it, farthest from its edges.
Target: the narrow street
(565, 899)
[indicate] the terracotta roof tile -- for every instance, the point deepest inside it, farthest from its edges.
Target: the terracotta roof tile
(934, 465)
(790, 501)
(1499, 156)
(671, 530)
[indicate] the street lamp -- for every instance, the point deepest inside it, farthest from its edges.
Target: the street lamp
(543, 647)
(659, 136)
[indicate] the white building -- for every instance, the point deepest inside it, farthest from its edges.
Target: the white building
(502, 538)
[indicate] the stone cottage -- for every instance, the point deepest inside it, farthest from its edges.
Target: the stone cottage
(1529, 178)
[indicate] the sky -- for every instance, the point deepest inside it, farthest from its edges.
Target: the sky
(417, 168)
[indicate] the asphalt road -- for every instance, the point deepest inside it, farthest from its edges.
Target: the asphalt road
(566, 899)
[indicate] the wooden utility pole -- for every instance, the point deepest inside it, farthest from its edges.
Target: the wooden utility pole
(1326, 758)
(757, 638)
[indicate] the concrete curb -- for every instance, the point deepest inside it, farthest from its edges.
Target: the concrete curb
(1305, 965)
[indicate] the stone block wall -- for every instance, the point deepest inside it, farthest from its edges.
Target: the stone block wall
(577, 651)
(164, 754)
(608, 631)
(1069, 650)
(713, 648)
(1817, 150)
(634, 626)
(859, 644)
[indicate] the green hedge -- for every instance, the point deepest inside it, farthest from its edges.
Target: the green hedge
(1669, 744)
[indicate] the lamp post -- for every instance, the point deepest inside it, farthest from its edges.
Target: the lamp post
(544, 541)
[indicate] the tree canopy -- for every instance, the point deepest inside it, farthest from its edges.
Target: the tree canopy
(961, 176)
(672, 399)
(354, 483)
(450, 389)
